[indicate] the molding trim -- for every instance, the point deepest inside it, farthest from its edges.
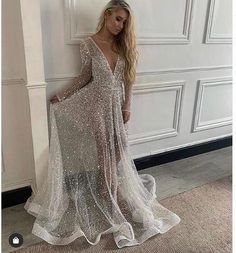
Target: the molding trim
(177, 86)
(70, 77)
(202, 84)
(67, 78)
(36, 85)
(183, 70)
(13, 81)
(73, 37)
(21, 81)
(209, 37)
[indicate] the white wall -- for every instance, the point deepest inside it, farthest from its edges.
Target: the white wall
(183, 91)
(184, 46)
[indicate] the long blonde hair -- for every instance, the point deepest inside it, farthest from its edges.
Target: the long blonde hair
(125, 40)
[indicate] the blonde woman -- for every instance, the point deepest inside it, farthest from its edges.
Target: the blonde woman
(92, 187)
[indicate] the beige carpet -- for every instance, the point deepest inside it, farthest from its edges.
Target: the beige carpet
(205, 226)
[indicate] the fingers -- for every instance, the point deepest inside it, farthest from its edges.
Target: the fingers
(126, 116)
(54, 99)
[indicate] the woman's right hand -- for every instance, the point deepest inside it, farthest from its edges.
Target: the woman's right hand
(54, 99)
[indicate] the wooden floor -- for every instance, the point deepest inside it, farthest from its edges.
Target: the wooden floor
(171, 179)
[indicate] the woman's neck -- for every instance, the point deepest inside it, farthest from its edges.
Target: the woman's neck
(105, 35)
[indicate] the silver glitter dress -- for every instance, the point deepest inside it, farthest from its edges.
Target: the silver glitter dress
(92, 186)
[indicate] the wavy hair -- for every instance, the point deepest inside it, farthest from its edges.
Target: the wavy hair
(125, 40)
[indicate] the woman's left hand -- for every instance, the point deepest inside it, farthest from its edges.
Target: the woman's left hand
(126, 115)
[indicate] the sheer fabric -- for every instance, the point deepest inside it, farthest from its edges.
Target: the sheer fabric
(92, 186)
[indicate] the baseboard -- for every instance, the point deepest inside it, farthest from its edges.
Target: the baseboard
(177, 154)
(16, 196)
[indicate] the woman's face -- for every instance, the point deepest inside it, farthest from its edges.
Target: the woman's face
(115, 21)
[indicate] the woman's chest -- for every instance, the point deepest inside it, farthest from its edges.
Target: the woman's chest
(110, 55)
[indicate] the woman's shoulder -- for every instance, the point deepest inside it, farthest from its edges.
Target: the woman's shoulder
(86, 43)
(87, 39)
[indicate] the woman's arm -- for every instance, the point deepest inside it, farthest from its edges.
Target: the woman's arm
(84, 76)
(128, 97)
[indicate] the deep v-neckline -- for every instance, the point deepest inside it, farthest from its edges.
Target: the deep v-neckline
(104, 57)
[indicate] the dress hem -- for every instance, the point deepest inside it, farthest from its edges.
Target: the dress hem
(43, 234)
(53, 240)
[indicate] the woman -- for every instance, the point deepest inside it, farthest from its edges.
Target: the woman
(92, 187)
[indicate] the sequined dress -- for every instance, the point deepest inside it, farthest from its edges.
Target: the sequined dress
(92, 186)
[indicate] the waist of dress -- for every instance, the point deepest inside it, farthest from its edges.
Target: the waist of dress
(107, 86)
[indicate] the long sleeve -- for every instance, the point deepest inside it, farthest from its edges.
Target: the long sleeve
(85, 73)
